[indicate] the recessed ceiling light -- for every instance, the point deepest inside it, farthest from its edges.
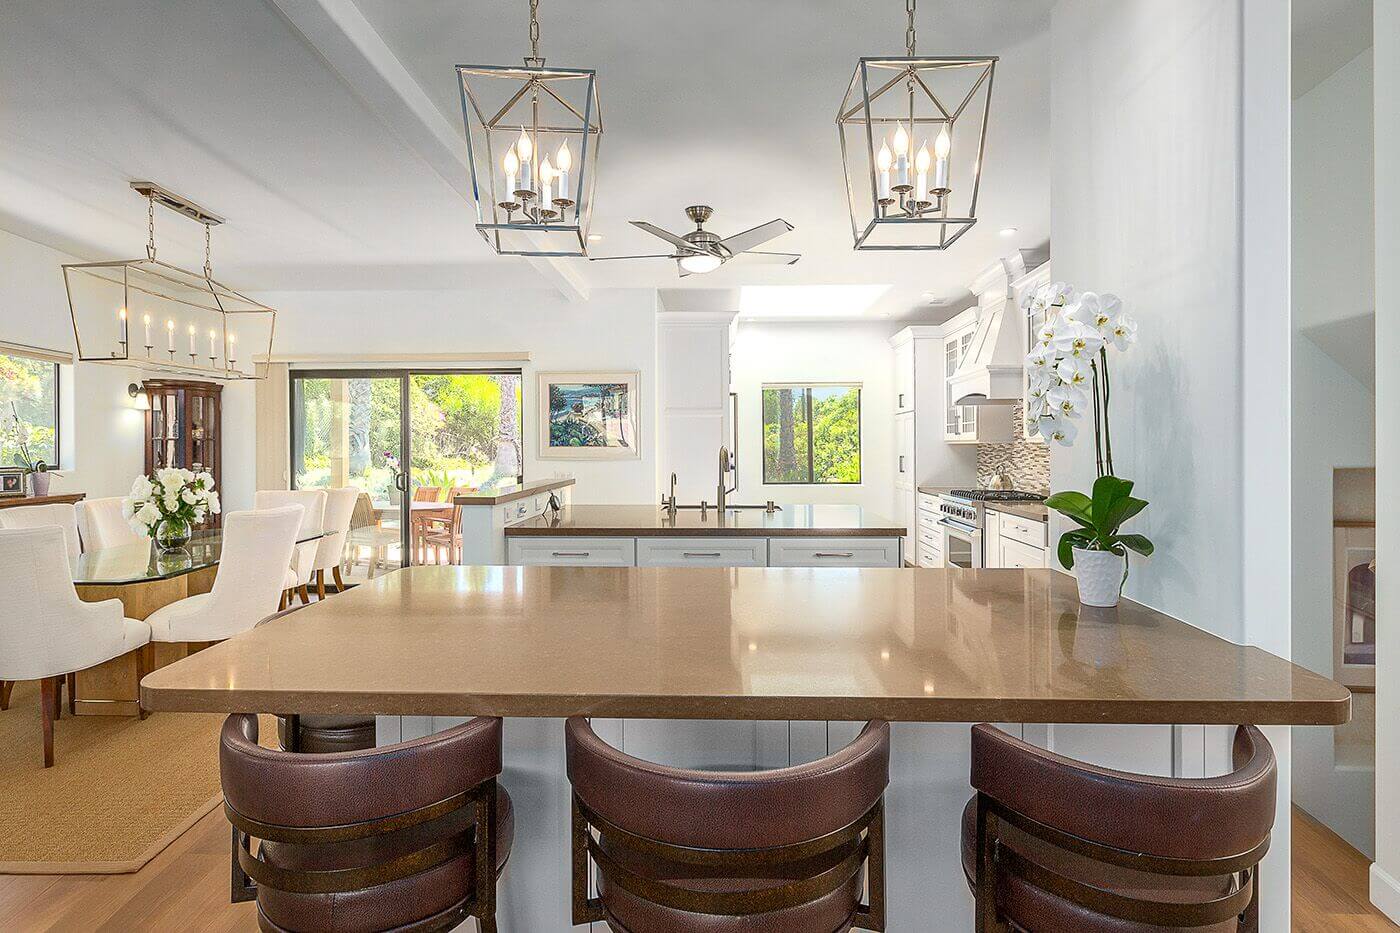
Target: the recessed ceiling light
(1008, 231)
(594, 237)
(930, 296)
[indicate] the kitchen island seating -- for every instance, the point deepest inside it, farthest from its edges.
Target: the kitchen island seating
(783, 851)
(101, 524)
(1053, 844)
(60, 514)
(257, 549)
(46, 631)
(408, 836)
(303, 563)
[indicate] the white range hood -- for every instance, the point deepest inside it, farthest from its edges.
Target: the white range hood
(993, 371)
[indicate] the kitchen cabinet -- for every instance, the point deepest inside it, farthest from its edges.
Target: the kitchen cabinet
(1014, 541)
(706, 551)
(904, 377)
(573, 551)
(1016, 555)
(702, 552)
(969, 424)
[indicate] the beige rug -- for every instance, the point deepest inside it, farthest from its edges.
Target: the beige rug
(119, 792)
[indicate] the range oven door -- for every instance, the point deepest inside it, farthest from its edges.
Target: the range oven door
(962, 545)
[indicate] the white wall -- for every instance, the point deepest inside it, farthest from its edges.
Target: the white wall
(1385, 873)
(613, 330)
(1333, 413)
(101, 431)
(766, 352)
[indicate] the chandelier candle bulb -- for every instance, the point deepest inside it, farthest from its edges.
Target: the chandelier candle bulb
(563, 161)
(121, 324)
(901, 159)
(146, 321)
(526, 150)
(170, 335)
(546, 183)
(191, 332)
(941, 147)
(511, 164)
(883, 162)
(921, 164)
(212, 354)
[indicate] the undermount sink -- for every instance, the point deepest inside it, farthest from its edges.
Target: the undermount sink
(727, 508)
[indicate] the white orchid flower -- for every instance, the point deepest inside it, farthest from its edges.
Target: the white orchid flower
(1052, 325)
(1097, 311)
(1040, 360)
(1060, 430)
(1059, 294)
(1067, 401)
(1075, 339)
(1123, 332)
(1075, 371)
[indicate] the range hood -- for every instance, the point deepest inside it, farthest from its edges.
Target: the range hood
(993, 370)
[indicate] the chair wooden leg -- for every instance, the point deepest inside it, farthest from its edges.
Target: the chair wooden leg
(6, 688)
(48, 699)
(145, 663)
(339, 583)
(59, 681)
(73, 693)
(304, 595)
(320, 584)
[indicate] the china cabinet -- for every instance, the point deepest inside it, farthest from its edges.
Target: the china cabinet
(183, 428)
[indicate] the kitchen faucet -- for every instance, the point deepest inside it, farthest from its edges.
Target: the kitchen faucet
(669, 502)
(723, 469)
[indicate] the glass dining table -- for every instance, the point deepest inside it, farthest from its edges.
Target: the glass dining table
(144, 579)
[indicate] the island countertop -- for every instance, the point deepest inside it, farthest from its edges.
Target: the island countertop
(495, 494)
(742, 643)
(643, 521)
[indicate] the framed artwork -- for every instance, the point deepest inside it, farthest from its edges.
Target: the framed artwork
(1354, 605)
(589, 416)
(11, 482)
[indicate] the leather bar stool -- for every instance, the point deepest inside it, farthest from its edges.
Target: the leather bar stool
(406, 837)
(1052, 844)
(678, 851)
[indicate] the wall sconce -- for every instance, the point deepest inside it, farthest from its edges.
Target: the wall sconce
(143, 401)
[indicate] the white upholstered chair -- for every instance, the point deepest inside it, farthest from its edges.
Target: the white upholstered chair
(313, 503)
(101, 525)
(330, 550)
(46, 631)
(60, 514)
(257, 548)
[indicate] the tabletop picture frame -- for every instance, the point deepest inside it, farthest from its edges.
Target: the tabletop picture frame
(591, 415)
(11, 483)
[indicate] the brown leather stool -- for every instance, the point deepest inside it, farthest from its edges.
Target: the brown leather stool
(406, 837)
(677, 851)
(1052, 844)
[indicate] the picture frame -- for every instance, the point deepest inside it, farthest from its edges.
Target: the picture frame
(11, 483)
(1354, 605)
(589, 415)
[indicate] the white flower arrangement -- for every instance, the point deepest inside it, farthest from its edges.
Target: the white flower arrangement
(1068, 369)
(171, 493)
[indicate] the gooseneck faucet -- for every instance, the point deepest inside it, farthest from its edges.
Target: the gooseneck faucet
(669, 502)
(723, 469)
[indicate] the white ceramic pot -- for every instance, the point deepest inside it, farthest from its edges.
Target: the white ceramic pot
(1100, 576)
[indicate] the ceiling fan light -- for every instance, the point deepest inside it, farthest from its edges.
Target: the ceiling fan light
(700, 263)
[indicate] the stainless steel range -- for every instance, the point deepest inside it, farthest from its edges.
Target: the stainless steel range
(965, 517)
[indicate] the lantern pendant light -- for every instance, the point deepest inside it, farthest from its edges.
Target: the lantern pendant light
(532, 144)
(913, 134)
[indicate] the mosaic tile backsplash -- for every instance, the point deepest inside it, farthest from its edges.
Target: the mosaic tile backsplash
(1028, 462)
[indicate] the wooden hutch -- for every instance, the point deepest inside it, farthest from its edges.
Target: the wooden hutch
(183, 428)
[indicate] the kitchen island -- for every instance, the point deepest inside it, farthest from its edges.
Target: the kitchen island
(758, 668)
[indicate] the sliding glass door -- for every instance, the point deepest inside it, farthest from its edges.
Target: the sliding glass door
(408, 440)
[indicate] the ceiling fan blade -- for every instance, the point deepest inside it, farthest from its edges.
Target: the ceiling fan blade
(680, 243)
(647, 256)
(757, 236)
(772, 259)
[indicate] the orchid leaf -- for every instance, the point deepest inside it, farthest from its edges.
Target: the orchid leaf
(1068, 542)
(1076, 505)
(1137, 543)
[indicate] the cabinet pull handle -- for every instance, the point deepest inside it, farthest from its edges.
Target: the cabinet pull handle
(901, 463)
(833, 554)
(701, 554)
(901, 400)
(570, 553)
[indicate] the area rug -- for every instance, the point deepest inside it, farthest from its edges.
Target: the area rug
(120, 790)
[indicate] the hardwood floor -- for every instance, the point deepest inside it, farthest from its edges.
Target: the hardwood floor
(186, 888)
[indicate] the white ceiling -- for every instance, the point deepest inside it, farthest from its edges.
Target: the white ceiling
(328, 184)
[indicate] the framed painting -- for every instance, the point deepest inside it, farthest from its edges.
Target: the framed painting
(589, 415)
(1354, 605)
(11, 482)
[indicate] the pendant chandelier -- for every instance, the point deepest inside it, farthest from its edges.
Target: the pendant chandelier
(153, 315)
(913, 132)
(532, 144)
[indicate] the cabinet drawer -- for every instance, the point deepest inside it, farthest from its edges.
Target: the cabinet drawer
(580, 552)
(928, 503)
(1025, 530)
(702, 552)
(833, 552)
(1017, 555)
(928, 521)
(931, 539)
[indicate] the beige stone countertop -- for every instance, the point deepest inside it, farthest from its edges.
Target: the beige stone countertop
(647, 521)
(742, 643)
(509, 492)
(1035, 511)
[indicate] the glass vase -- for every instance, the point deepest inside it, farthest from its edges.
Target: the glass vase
(172, 533)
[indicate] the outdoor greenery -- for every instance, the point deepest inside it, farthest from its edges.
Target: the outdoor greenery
(834, 415)
(32, 387)
(457, 422)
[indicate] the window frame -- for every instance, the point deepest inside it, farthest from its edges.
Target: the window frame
(807, 388)
(57, 463)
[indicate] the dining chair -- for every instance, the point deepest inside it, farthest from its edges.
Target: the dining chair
(101, 524)
(257, 548)
(313, 504)
(330, 549)
(440, 533)
(366, 532)
(417, 520)
(46, 631)
(61, 514)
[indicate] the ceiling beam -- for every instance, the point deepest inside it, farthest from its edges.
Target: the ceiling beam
(340, 34)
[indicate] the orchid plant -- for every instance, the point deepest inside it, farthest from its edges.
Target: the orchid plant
(1068, 369)
(169, 495)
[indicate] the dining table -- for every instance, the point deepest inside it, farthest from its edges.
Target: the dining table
(144, 579)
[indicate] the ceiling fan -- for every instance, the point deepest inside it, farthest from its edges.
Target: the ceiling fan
(701, 251)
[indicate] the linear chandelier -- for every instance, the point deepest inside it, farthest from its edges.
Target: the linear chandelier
(153, 315)
(901, 195)
(525, 129)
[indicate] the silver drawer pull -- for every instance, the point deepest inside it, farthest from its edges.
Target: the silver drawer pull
(833, 554)
(571, 553)
(701, 554)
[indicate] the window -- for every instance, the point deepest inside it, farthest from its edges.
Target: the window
(811, 434)
(29, 390)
